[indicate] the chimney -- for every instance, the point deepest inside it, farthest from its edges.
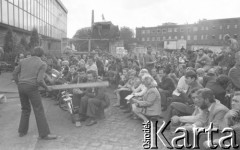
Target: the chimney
(92, 17)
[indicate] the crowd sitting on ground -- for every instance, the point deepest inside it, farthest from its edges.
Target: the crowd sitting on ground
(191, 89)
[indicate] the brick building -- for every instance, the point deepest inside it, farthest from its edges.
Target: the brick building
(205, 32)
(49, 17)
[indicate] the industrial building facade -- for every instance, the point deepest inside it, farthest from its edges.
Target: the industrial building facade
(49, 17)
(205, 32)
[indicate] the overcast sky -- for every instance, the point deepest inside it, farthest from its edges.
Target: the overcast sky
(148, 13)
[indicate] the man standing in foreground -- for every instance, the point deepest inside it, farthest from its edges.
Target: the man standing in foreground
(29, 75)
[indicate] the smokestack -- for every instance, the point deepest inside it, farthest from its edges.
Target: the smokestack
(92, 17)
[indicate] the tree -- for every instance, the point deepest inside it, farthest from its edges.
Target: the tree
(127, 35)
(9, 42)
(84, 33)
(100, 30)
(24, 43)
(34, 39)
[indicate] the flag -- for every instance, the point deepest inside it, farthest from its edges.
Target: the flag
(103, 17)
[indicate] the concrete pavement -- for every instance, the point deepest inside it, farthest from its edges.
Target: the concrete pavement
(116, 132)
(6, 84)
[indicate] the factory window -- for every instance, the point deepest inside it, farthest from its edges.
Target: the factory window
(148, 31)
(228, 26)
(181, 30)
(5, 12)
(195, 29)
(235, 26)
(175, 29)
(175, 37)
(10, 14)
(158, 38)
(213, 36)
(188, 37)
(169, 29)
(206, 28)
(220, 36)
(163, 30)
(195, 37)
(182, 37)
(16, 23)
(202, 28)
(16, 2)
(143, 31)
(169, 37)
(164, 38)
(153, 38)
(202, 37)
(148, 39)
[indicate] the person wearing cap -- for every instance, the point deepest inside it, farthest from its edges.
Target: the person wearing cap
(29, 75)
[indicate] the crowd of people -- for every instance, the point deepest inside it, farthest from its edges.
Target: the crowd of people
(191, 88)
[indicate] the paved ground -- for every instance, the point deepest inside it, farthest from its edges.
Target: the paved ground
(116, 132)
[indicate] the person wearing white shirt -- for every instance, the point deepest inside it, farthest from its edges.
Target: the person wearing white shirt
(91, 65)
(181, 86)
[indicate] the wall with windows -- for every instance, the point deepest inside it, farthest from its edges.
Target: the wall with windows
(207, 32)
(48, 16)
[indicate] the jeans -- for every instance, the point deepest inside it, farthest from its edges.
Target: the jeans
(178, 108)
(29, 94)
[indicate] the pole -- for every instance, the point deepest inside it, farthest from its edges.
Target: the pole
(92, 17)
(89, 41)
(89, 45)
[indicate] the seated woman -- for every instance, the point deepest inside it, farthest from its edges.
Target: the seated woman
(127, 89)
(93, 102)
(151, 103)
(139, 89)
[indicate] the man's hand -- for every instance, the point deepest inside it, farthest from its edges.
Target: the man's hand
(120, 86)
(231, 113)
(49, 89)
(180, 90)
(175, 119)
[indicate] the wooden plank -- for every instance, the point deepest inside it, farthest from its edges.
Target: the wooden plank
(80, 85)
